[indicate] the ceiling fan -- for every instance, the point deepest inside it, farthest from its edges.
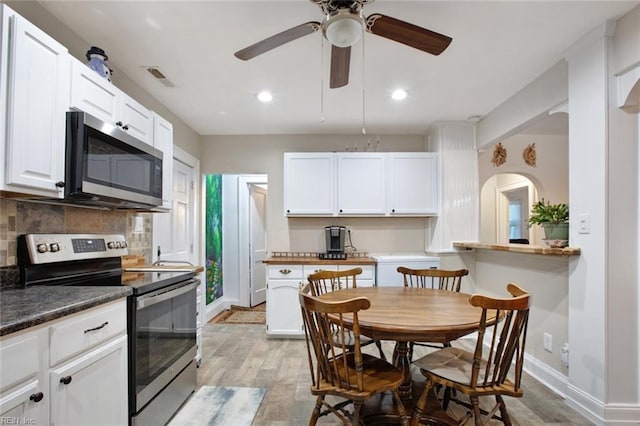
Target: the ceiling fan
(342, 27)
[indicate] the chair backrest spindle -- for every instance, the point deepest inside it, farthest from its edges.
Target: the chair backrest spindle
(508, 338)
(326, 281)
(441, 279)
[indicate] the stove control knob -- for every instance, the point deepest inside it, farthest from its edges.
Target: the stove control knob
(123, 244)
(116, 244)
(111, 245)
(42, 248)
(54, 247)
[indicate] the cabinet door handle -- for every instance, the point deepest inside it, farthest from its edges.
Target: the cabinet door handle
(285, 271)
(65, 380)
(103, 325)
(125, 127)
(119, 123)
(60, 184)
(36, 397)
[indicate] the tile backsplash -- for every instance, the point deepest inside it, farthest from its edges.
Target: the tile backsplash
(24, 217)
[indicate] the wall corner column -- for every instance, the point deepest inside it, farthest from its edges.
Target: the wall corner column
(459, 196)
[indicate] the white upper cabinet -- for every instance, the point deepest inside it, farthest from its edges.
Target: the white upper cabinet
(310, 184)
(92, 93)
(412, 183)
(97, 96)
(135, 119)
(361, 184)
(34, 86)
(163, 140)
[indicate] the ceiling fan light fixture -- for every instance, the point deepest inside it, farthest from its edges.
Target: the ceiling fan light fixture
(343, 29)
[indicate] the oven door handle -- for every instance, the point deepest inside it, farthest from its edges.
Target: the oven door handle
(166, 294)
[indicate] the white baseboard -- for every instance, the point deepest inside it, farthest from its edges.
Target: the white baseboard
(600, 413)
(552, 379)
(586, 405)
(217, 306)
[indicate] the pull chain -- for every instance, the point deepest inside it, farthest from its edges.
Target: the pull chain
(322, 80)
(364, 129)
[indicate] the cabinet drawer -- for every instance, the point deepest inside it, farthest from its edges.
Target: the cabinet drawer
(85, 330)
(312, 269)
(19, 359)
(285, 271)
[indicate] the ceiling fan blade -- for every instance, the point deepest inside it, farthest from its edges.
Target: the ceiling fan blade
(277, 40)
(340, 60)
(406, 33)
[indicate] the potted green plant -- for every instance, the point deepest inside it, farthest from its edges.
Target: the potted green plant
(554, 219)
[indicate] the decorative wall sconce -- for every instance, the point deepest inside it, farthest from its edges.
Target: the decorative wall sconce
(529, 155)
(499, 155)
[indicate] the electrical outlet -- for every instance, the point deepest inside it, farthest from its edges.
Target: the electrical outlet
(138, 224)
(564, 355)
(548, 342)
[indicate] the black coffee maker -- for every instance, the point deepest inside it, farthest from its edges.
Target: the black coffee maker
(334, 236)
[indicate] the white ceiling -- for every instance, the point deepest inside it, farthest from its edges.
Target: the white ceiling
(497, 49)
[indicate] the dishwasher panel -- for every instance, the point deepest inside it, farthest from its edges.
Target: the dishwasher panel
(388, 276)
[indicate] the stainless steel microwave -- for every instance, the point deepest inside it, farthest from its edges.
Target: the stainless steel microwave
(107, 167)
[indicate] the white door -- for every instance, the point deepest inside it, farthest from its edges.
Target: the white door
(173, 232)
(257, 242)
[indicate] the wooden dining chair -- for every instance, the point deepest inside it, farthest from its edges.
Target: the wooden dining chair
(442, 279)
(342, 370)
(322, 282)
(486, 370)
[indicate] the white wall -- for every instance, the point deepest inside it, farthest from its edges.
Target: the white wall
(550, 176)
(545, 277)
(535, 100)
(264, 154)
(604, 181)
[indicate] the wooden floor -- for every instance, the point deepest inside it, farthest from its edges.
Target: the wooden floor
(241, 355)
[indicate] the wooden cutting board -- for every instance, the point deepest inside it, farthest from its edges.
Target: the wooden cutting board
(131, 261)
(164, 268)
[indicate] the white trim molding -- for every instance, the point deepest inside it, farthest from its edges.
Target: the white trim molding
(629, 90)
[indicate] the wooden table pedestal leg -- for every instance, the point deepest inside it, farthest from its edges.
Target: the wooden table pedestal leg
(401, 360)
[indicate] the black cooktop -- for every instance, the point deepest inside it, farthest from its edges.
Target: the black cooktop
(145, 282)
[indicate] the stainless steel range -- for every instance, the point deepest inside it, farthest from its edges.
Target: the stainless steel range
(161, 314)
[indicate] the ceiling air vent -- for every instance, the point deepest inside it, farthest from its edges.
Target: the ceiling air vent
(154, 71)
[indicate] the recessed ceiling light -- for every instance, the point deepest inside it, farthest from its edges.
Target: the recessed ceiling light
(399, 94)
(265, 96)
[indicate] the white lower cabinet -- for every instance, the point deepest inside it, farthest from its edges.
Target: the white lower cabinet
(284, 318)
(23, 381)
(92, 389)
(71, 371)
(283, 307)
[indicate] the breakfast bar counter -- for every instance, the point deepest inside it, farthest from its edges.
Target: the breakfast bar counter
(315, 260)
(519, 248)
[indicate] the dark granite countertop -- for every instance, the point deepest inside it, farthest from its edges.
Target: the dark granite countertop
(25, 307)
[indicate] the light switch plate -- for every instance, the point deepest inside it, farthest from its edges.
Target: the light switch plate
(584, 223)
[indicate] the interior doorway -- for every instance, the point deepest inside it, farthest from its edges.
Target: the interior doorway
(506, 201)
(252, 244)
(257, 243)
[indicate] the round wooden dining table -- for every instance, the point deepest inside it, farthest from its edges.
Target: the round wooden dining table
(407, 314)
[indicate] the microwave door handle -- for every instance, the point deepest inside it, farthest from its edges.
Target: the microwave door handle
(151, 299)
